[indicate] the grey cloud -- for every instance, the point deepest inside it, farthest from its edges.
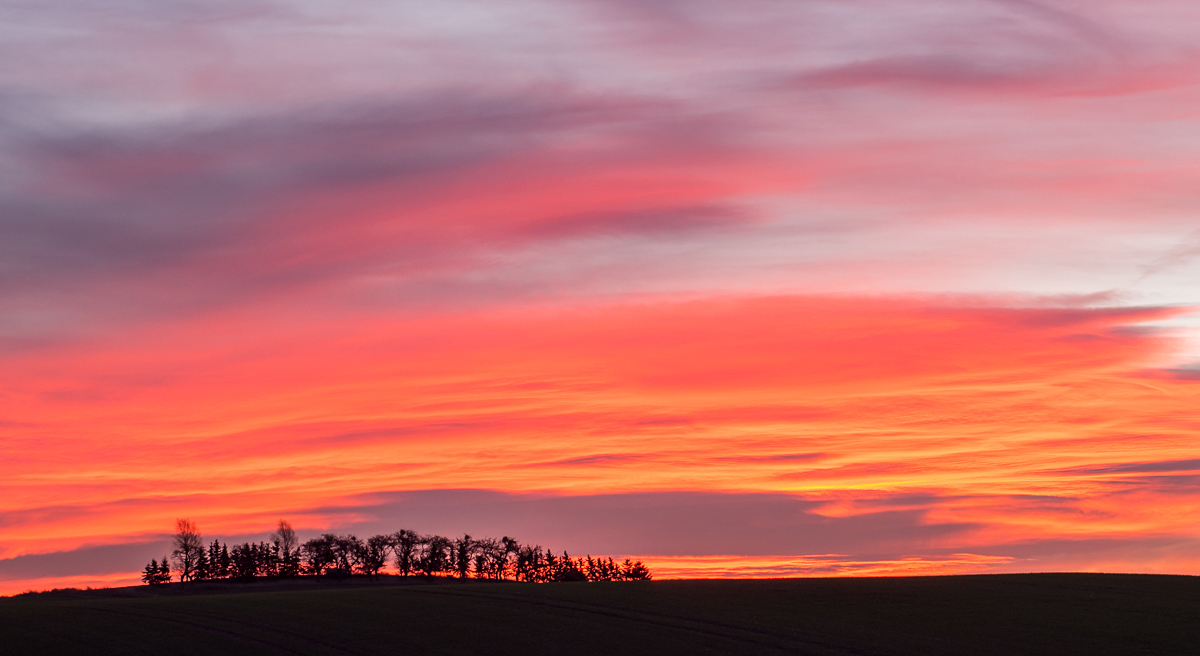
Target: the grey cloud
(205, 206)
(1072, 22)
(668, 220)
(1051, 74)
(602, 459)
(664, 523)
(1168, 482)
(1056, 317)
(126, 557)
(168, 218)
(784, 457)
(1051, 554)
(930, 70)
(1142, 467)
(654, 523)
(1183, 253)
(1191, 372)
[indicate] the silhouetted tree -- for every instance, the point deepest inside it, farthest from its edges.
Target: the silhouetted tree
(494, 558)
(287, 547)
(373, 556)
(596, 569)
(529, 564)
(346, 552)
(609, 570)
(156, 574)
(634, 571)
(462, 553)
(188, 546)
(203, 566)
(433, 554)
(243, 561)
(269, 559)
(150, 574)
(405, 545)
(569, 570)
(511, 548)
(318, 554)
(218, 561)
(488, 554)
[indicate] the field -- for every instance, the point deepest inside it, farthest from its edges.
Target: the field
(1001, 614)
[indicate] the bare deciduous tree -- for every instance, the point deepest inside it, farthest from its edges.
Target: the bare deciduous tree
(404, 544)
(319, 554)
(288, 547)
(433, 556)
(284, 537)
(374, 554)
(188, 546)
(346, 551)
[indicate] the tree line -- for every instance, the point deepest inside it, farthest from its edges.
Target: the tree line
(409, 553)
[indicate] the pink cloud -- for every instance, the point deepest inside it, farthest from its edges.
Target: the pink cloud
(851, 257)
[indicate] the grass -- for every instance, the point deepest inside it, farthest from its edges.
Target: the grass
(1056, 614)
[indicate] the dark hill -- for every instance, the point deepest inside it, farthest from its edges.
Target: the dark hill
(1004, 614)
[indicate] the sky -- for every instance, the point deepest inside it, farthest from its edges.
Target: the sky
(766, 288)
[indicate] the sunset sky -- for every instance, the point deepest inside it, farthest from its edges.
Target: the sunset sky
(756, 288)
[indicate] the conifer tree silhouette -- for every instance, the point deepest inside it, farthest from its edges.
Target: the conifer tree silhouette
(156, 574)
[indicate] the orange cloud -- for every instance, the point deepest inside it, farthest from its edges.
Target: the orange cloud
(1021, 424)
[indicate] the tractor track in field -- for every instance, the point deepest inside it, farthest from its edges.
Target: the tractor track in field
(731, 632)
(180, 618)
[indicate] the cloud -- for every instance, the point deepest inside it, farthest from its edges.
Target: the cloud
(146, 200)
(667, 523)
(106, 559)
(928, 72)
(1184, 373)
(269, 258)
(601, 459)
(252, 194)
(190, 217)
(1147, 467)
(832, 400)
(723, 532)
(669, 221)
(664, 523)
(1179, 255)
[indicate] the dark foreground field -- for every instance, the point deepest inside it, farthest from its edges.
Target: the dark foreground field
(1005, 614)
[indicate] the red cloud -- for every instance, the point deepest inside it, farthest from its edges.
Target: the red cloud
(828, 398)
